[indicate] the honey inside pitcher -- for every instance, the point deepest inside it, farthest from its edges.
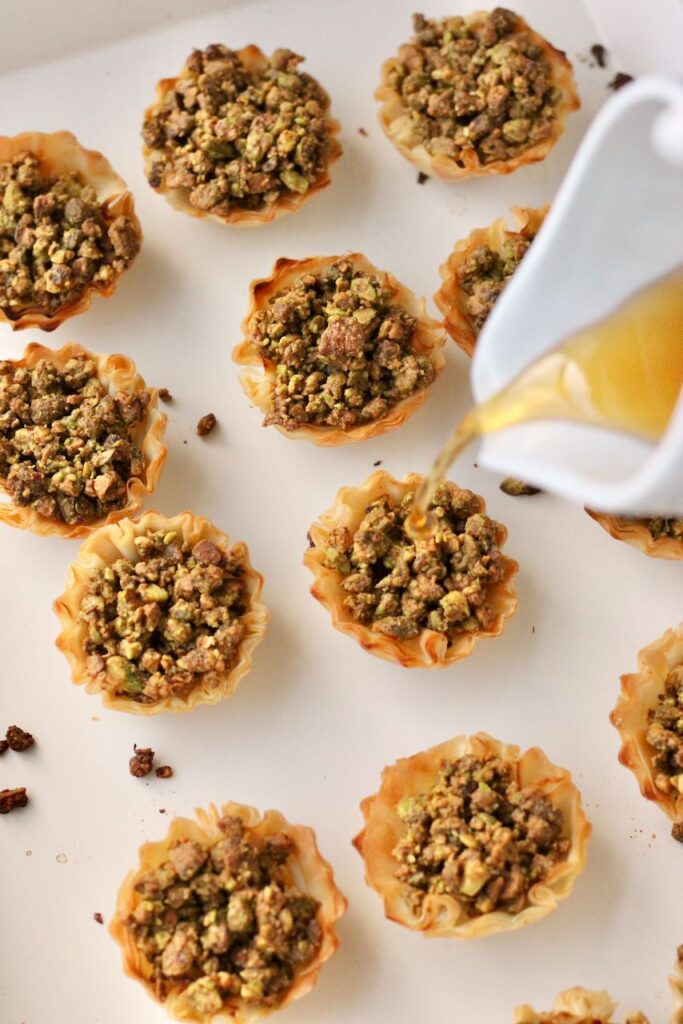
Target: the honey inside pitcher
(623, 373)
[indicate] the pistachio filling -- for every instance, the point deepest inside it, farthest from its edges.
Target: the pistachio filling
(167, 622)
(482, 87)
(661, 528)
(55, 238)
(343, 351)
(233, 138)
(225, 923)
(66, 444)
(400, 586)
(479, 837)
(665, 735)
(484, 273)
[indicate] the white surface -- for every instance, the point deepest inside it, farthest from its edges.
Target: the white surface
(311, 727)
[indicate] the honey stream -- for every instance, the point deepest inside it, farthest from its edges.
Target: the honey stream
(623, 373)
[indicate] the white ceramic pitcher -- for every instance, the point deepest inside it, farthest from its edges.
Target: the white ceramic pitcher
(615, 225)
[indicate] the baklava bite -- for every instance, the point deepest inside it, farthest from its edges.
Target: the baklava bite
(239, 136)
(577, 1006)
(67, 228)
(657, 537)
(481, 94)
(230, 917)
(80, 440)
(337, 350)
(161, 614)
(471, 838)
(422, 603)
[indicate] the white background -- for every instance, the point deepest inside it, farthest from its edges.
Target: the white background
(312, 725)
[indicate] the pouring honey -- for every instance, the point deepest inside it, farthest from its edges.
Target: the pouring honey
(622, 373)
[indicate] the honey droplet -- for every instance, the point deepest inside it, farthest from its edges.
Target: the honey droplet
(420, 525)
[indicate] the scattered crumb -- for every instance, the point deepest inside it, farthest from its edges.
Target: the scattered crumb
(309, 539)
(600, 53)
(206, 424)
(164, 771)
(533, 629)
(95, 718)
(162, 810)
(10, 799)
(378, 463)
(4, 745)
(362, 131)
(422, 177)
(165, 395)
(184, 442)
(19, 740)
(29, 853)
(98, 917)
(677, 831)
(619, 81)
(141, 762)
(476, 465)
(62, 858)
(517, 488)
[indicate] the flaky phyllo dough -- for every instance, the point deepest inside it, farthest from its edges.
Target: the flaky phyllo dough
(60, 155)
(478, 269)
(431, 648)
(481, 94)
(635, 715)
(118, 375)
(342, 351)
(240, 137)
(577, 1006)
(657, 537)
(209, 683)
(439, 913)
(305, 868)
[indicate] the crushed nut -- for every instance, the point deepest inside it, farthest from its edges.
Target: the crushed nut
(4, 745)
(485, 86)
(665, 735)
(164, 771)
(400, 586)
(18, 740)
(66, 443)
(10, 799)
(484, 274)
(167, 622)
(206, 424)
(677, 834)
(422, 178)
(344, 354)
(140, 764)
(98, 917)
(362, 131)
(165, 395)
(517, 488)
(478, 836)
(660, 528)
(619, 81)
(232, 138)
(600, 54)
(225, 921)
(56, 239)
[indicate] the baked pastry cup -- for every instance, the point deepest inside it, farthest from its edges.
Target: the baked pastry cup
(577, 1006)
(453, 160)
(305, 867)
(676, 982)
(640, 693)
(60, 153)
(255, 62)
(441, 915)
(637, 533)
(119, 376)
(451, 298)
(117, 541)
(260, 377)
(431, 649)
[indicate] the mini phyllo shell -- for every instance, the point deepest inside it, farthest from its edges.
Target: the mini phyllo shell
(161, 614)
(577, 1006)
(657, 537)
(518, 844)
(68, 228)
(230, 917)
(676, 982)
(80, 440)
(421, 603)
(240, 137)
(649, 717)
(478, 269)
(336, 350)
(481, 94)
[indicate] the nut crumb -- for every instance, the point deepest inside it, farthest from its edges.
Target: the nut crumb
(378, 463)
(517, 488)
(677, 831)
(206, 424)
(422, 177)
(4, 745)
(164, 771)
(141, 763)
(19, 740)
(98, 917)
(600, 53)
(10, 799)
(165, 395)
(619, 81)
(162, 810)
(362, 131)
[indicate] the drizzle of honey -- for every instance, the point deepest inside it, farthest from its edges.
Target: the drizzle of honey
(623, 373)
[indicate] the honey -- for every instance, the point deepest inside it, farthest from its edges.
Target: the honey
(622, 373)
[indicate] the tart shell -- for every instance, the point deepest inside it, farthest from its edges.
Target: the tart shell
(636, 533)
(255, 61)
(309, 871)
(441, 915)
(395, 118)
(430, 649)
(118, 373)
(60, 153)
(639, 694)
(451, 299)
(117, 541)
(573, 1006)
